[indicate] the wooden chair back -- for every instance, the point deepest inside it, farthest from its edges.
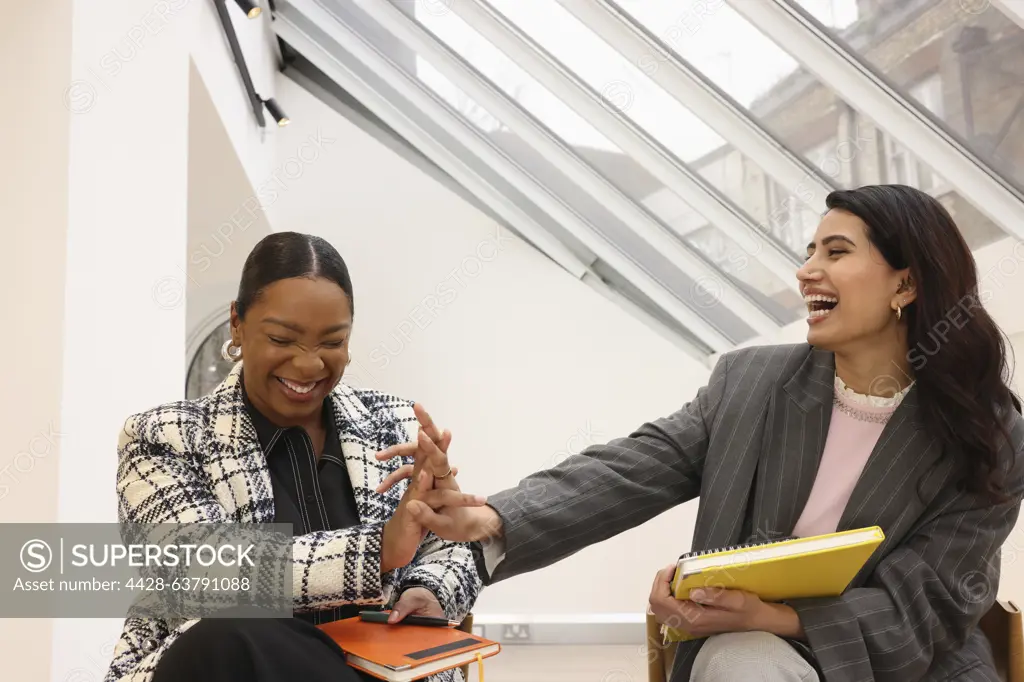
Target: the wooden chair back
(467, 626)
(1002, 625)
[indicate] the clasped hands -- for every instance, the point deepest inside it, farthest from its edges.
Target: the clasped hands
(431, 502)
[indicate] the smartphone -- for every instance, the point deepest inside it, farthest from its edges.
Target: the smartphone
(382, 617)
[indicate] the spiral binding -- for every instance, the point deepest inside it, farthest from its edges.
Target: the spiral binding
(733, 548)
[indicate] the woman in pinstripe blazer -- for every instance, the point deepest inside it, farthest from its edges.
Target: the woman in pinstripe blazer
(284, 441)
(896, 413)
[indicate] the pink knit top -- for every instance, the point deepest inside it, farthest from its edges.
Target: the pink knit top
(857, 422)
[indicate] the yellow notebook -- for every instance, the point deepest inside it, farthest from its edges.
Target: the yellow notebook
(816, 566)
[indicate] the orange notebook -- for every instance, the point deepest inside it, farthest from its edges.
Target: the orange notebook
(401, 653)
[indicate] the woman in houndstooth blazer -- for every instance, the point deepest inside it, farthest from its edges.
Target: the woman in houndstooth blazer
(282, 440)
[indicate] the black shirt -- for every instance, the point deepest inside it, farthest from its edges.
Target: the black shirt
(310, 494)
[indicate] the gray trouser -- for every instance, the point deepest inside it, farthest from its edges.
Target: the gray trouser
(750, 657)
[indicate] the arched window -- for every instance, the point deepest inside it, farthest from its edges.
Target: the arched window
(208, 368)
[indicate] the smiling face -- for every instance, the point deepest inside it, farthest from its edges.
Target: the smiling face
(294, 341)
(850, 290)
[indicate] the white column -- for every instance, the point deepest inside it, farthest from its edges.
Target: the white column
(35, 43)
(124, 322)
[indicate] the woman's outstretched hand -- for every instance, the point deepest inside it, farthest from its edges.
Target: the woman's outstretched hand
(455, 523)
(404, 531)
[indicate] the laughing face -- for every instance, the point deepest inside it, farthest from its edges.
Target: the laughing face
(850, 290)
(294, 341)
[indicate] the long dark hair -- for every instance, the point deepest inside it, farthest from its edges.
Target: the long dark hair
(955, 347)
(282, 255)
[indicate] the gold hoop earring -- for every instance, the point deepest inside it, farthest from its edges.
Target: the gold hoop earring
(899, 312)
(229, 352)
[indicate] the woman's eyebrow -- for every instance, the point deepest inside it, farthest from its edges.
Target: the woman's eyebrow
(299, 329)
(838, 238)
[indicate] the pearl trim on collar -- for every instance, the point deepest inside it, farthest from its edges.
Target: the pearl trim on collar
(874, 401)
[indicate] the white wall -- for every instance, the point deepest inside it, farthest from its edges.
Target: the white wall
(34, 217)
(1012, 580)
(522, 362)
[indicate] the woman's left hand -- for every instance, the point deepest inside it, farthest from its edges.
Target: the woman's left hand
(714, 610)
(416, 601)
(436, 464)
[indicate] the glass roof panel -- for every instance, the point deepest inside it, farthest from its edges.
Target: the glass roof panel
(803, 113)
(745, 273)
(608, 159)
(962, 60)
(646, 104)
(761, 77)
(442, 131)
(685, 287)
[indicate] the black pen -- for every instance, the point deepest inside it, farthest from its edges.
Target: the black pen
(382, 617)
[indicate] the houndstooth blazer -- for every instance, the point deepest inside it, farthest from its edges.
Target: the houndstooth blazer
(197, 461)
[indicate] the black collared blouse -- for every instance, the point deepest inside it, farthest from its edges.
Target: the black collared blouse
(310, 494)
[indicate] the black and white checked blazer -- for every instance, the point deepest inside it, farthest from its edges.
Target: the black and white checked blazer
(197, 461)
(748, 445)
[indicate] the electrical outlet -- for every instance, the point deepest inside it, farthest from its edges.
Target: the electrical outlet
(516, 632)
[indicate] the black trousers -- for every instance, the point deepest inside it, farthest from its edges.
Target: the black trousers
(255, 650)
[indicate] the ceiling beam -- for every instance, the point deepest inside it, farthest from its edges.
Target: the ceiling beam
(472, 139)
(437, 153)
(639, 218)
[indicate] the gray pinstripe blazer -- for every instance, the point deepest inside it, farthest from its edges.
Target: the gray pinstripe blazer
(749, 445)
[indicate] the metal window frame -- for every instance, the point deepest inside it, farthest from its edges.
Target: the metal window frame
(638, 217)
(707, 101)
(1014, 9)
(327, 90)
(699, 193)
(853, 80)
(472, 140)
(437, 153)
